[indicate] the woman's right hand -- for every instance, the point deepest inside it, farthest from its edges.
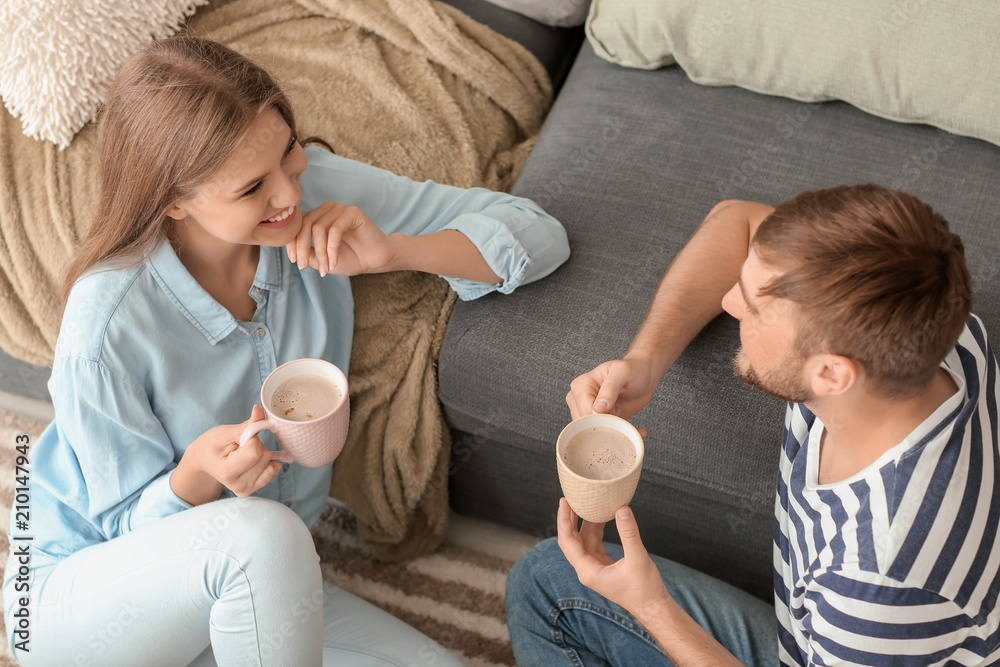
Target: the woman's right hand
(215, 460)
(620, 387)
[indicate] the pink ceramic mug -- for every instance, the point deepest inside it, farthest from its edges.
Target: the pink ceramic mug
(312, 443)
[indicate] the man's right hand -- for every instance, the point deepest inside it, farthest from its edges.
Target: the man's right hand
(620, 387)
(688, 298)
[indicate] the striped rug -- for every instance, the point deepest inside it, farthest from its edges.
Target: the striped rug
(455, 595)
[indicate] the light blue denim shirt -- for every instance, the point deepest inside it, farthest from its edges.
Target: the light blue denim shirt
(147, 361)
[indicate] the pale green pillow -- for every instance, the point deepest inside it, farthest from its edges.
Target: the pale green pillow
(915, 61)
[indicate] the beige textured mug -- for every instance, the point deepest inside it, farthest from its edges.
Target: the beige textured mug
(316, 441)
(593, 499)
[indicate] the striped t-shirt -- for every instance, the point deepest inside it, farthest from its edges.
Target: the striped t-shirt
(900, 563)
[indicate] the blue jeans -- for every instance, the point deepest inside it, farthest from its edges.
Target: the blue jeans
(555, 620)
(239, 574)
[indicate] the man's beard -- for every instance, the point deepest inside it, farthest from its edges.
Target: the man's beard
(785, 384)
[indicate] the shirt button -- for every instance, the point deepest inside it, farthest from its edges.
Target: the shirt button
(261, 333)
(284, 467)
(260, 291)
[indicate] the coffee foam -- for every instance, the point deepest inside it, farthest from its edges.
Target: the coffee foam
(305, 397)
(599, 453)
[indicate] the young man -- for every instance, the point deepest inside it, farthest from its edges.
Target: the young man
(854, 306)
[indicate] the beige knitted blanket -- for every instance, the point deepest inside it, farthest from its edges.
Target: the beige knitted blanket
(413, 86)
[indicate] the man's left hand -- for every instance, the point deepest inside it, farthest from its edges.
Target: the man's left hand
(634, 582)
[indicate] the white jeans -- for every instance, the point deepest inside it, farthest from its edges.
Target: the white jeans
(233, 582)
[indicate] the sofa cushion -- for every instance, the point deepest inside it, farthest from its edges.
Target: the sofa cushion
(631, 161)
(910, 61)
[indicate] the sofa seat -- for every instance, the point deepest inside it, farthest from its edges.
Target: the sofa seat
(631, 161)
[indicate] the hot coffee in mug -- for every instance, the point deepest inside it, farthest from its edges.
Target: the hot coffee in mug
(599, 452)
(304, 397)
(599, 458)
(308, 409)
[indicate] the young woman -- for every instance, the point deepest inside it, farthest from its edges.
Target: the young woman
(221, 249)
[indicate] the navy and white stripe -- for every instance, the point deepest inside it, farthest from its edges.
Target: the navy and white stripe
(900, 563)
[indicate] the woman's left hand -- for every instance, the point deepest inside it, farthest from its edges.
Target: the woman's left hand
(340, 239)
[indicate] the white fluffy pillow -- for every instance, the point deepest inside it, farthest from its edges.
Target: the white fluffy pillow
(60, 56)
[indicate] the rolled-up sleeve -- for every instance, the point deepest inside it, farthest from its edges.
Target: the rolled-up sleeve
(520, 241)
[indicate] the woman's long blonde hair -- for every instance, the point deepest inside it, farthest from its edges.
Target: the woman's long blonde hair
(175, 114)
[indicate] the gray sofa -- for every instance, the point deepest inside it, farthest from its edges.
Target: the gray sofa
(631, 161)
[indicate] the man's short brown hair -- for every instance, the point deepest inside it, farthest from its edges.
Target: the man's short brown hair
(878, 278)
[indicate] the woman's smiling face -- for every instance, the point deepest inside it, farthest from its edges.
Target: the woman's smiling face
(254, 199)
